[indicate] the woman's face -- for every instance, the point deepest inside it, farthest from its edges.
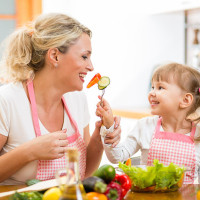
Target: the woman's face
(75, 64)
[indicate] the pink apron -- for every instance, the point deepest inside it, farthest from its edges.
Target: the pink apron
(47, 168)
(170, 147)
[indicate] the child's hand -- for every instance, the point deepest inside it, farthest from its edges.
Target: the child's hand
(105, 113)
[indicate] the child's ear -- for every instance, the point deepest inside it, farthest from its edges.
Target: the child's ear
(187, 100)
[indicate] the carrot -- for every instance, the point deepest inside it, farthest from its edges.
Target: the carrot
(94, 80)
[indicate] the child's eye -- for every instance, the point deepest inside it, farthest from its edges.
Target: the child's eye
(84, 57)
(160, 88)
(152, 87)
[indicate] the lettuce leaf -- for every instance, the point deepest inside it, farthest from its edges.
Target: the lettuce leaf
(158, 175)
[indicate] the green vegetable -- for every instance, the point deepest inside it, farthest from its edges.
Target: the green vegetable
(157, 175)
(26, 196)
(106, 172)
(32, 182)
(103, 82)
(94, 184)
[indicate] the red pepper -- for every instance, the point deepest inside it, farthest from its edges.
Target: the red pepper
(94, 80)
(114, 191)
(124, 181)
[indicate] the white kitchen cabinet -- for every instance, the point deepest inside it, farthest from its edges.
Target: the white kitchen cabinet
(165, 6)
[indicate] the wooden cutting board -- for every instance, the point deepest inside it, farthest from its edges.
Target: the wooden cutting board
(43, 185)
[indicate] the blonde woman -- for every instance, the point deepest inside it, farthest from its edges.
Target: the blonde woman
(42, 109)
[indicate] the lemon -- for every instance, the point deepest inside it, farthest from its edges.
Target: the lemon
(198, 195)
(52, 194)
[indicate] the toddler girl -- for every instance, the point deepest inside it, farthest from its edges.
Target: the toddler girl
(172, 133)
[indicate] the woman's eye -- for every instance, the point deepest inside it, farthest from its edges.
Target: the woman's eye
(152, 87)
(84, 57)
(160, 87)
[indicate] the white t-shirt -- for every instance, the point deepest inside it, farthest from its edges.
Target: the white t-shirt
(140, 138)
(16, 123)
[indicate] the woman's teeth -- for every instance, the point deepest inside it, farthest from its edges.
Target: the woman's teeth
(82, 75)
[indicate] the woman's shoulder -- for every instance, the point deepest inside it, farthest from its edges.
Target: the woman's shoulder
(76, 99)
(76, 95)
(11, 90)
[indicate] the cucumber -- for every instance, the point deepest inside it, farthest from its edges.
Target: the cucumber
(32, 182)
(106, 172)
(94, 184)
(103, 82)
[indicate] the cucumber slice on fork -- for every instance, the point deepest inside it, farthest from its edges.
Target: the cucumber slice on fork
(103, 82)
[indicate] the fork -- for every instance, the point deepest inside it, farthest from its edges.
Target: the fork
(101, 102)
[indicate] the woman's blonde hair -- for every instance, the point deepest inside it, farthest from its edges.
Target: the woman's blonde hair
(187, 78)
(26, 47)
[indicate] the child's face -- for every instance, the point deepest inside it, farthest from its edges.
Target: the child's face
(165, 98)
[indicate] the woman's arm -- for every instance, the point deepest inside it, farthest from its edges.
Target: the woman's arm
(46, 147)
(95, 146)
(94, 149)
(13, 160)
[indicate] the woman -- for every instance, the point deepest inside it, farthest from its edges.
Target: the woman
(40, 114)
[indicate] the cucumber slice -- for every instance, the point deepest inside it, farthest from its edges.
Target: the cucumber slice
(103, 82)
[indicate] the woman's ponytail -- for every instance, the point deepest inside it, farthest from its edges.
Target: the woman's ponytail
(17, 56)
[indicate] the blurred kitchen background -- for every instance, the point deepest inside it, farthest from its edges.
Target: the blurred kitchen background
(130, 38)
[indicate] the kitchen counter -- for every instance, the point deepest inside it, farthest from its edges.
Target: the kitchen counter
(187, 192)
(133, 113)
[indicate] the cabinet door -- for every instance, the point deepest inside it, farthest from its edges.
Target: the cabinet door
(15, 13)
(7, 19)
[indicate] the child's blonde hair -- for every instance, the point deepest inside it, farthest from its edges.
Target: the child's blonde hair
(187, 78)
(26, 47)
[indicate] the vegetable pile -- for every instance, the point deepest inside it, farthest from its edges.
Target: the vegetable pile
(154, 178)
(105, 184)
(26, 196)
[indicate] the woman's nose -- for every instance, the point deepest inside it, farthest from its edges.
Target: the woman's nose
(90, 67)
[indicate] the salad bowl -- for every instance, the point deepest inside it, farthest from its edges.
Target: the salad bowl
(156, 178)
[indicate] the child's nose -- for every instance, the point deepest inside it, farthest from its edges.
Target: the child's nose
(152, 92)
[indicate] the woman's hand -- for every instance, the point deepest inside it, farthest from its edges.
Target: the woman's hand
(114, 137)
(49, 146)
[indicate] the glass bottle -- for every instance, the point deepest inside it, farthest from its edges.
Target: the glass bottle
(73, 188)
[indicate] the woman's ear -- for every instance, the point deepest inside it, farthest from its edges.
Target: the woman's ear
(187, 100)
(53, 56)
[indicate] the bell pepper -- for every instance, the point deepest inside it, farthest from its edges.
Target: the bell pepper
(124, 181)
(96, 196)
(128, 162)
(114, 191)
(94, 80)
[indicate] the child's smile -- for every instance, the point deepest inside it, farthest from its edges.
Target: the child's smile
(164, 97)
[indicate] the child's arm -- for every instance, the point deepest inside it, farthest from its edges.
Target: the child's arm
(105, 112)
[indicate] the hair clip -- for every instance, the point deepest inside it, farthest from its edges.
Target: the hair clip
(199, 90)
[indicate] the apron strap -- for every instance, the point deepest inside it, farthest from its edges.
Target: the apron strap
(33, 108)
(192, 133)
(35, 114)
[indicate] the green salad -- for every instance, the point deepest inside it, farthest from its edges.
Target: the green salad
(157, 175)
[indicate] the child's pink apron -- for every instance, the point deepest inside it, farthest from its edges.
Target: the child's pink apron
(47, 168)
(170, 147)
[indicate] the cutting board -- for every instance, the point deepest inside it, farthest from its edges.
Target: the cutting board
(43, 185)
